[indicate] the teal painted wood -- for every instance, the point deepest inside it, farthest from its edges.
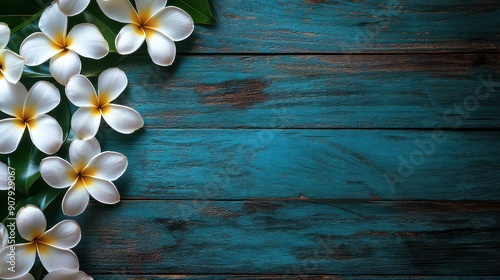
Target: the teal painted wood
(382, 91)
(329, 164)
(332, 26)
(289, 195)
(274, 277)
(291, 237)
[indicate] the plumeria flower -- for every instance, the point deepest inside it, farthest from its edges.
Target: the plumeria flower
(4, 177)
(67, 275)
(28, 110)
(72, 7)
(62, 50)
(11, 64)
(89, 172)
(53, 246)
(86, 120)
(160, 26)
(4, 240)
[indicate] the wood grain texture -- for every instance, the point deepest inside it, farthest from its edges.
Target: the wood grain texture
(280, 277)
(360, 91)
(292, 237)
(302, 139)
(337, 26)
(330, 164)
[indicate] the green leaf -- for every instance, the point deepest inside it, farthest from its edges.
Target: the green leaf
(21, 26)
(37, 269)
(25, 160)
(42, 195)
(199, 10)
(22, 7)
(93, 68)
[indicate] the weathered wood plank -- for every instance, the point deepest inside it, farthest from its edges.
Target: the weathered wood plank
(333, 26)
(292, 237)
(336, 164)
(273, 277)
(382, 91)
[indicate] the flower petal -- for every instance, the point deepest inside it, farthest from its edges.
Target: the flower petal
(46, 134)
(42, 98)
(82, 151)
(75, 200)
(147, 8)
(160, 48)
(86, 40)
(54, 258)
(122, 119)
(64, 66)
(11, 132)
(25, 252)
(81, 92)
(107, 166)
(11, 65)
(4, 185)
(173, 22)
(85, 122)
(4, 235)
(54, 24)
(112, 83)
(26, 277)
(119, 10)
(57, 172)
(67, 275)
(38, 48)
(4, 35)
(13, 98)
(129, 39)
(102, 190)
(31, 222)
(72, 7)
(64, 235)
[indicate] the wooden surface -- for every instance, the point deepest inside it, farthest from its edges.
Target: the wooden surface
(315, 140)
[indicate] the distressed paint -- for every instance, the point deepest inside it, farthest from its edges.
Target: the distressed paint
(337, 26)
(292, 237)
(266, 146)
(289, 163)
(381, 91)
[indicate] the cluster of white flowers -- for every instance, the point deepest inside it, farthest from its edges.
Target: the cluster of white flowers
(89, 172)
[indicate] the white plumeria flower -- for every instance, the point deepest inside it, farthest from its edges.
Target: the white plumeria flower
(29, 111)
(62, 50)
(11, 64)
(86, 120)
(89, 173)
(67, 275)
(72, 7)
(4, 240)
(4, 177)
(160, 26)
(53, 246)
